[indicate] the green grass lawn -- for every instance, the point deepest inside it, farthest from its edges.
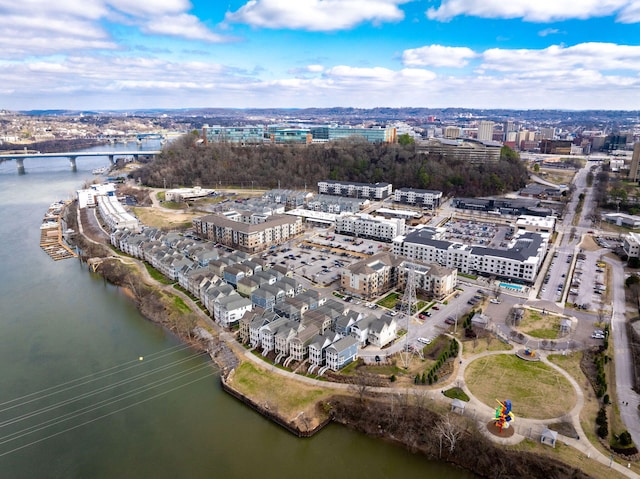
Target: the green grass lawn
(157, 275)
(536, 390)
(389, 301)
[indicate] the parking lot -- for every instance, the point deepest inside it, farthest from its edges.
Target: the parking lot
(478, 233)
(589, 282)
(319, 256)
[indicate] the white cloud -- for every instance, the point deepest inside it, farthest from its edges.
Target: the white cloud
(537, 11)
(182, 25)
(590, 56)
(316, 15)
(630, 13)
(146, 8)
(437, 56)
(548, 31)
(588, 75)
(43, 27)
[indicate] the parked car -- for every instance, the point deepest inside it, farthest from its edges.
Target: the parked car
(424, 340)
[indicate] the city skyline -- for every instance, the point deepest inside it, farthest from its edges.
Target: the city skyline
(110, 54)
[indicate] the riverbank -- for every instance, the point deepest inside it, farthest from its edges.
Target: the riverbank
(155, 301)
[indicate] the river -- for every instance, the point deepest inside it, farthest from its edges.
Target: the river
(90, 389)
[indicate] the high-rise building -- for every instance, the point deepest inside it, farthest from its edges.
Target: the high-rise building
(508, 128)
(452, 132)
(547, 133)
(485, 130)
(635, 160)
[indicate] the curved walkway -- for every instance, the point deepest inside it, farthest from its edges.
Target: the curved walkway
(581, 443)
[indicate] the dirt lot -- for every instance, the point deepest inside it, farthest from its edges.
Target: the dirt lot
(588, 244)
(165, 218)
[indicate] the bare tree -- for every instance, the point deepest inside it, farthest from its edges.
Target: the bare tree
(448, 431)
(420, 398)
(360, 384)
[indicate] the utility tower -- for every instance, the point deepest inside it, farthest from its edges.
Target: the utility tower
(408, 300)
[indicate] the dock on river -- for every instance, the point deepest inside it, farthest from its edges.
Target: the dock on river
(51, 240)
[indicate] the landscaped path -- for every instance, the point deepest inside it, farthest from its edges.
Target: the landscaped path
(484, 413)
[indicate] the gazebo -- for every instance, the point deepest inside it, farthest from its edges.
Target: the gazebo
(565, 326)
(458, 405)
(549, 437)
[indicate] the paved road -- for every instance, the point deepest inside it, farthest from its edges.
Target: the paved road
(628, 399)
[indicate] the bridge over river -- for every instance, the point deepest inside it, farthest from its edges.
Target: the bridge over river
(73, 155)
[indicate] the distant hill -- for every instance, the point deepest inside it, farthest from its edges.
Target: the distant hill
(270, 166)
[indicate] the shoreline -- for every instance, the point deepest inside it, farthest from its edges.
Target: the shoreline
(218, 342)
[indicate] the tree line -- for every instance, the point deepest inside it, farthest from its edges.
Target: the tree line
(186, 163)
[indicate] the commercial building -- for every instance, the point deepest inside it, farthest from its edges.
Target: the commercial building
(372, 135)
(452, 132)
(503, 206)
(536, 224)
(184, 194)
(622, 219)
(242, 135)
(251, 238)
(288, 134)
(377, 191)
(631, 245)
(472, 151)
(88, 198)
(485, 130)
(424, 198)
(635, 162)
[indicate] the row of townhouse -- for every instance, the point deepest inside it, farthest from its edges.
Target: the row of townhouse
(249, 237)
(224, 284)
(374, 276)
(328, 336)
(290, 198)
(368, 226)
(519, 262)
(198, 267)
(114, 215)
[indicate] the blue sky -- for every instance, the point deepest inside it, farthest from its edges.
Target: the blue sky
(123, 54)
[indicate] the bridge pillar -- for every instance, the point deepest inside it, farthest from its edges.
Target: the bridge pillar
(20, 165)
(112, 160)
(72, 163)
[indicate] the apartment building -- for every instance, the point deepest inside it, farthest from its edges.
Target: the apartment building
(520, 261)
(368, 226)
(372, 191)
(376, 275)
(424, 198)
(251, 238)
